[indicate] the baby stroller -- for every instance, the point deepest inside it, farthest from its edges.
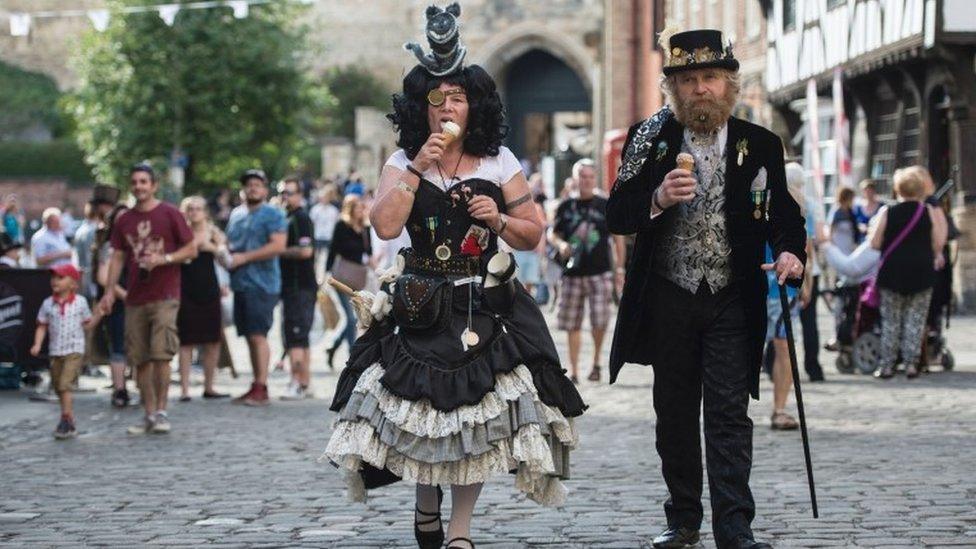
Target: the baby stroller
(858, 326)
(843, 304)
(866, 347)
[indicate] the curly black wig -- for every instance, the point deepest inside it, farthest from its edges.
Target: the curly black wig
(486, 115)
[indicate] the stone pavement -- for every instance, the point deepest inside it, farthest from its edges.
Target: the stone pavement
(895, 466)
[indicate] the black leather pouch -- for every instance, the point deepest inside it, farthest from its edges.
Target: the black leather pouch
(422, 303)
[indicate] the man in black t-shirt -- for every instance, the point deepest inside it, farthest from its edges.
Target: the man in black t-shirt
(581, 236)
(298, 289)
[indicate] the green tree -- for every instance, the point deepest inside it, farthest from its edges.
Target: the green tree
(352, 87)
(27, 99)
(229, 93)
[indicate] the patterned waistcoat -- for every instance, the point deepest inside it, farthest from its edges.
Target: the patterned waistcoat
(695, 245)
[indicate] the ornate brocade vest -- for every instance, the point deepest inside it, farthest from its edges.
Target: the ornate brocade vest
(695, 245)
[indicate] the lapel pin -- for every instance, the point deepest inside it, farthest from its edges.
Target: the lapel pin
(743, 147)
(662, 150)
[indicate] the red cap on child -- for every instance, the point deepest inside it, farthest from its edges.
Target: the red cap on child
(67, 269)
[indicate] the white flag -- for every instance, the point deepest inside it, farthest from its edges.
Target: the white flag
(20, 24)
(99, 19)
(813, 137)
(841, 132)
(240, 8)
(167, 12)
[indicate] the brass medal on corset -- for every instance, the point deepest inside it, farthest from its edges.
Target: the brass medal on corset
(442, 252)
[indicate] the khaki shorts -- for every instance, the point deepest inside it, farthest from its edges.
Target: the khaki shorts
(64, 372)
(150, 332)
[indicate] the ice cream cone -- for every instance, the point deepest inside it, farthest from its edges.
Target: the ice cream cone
(686, 162)
(451, 132)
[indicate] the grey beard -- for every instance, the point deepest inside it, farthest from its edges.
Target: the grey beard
(704, 118)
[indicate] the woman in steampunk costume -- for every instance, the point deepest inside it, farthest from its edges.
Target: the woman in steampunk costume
(457, 379)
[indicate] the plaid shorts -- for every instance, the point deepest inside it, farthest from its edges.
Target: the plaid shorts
(573, 294)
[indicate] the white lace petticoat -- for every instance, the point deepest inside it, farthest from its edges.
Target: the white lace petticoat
(511, 429)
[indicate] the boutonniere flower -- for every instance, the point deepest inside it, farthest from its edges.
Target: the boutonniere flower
(743, 147)
(662, 149)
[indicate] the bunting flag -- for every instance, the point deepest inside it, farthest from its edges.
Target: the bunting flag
(240, 8)
(21, 22)
(99, 19)
(167, 12)
(813, 137)
(841, 132)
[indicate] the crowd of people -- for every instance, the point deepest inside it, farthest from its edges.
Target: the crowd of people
(147, 281)
(456, 377)
(161, 279)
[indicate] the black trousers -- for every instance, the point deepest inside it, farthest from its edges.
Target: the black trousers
(702, 349)
(811, 337)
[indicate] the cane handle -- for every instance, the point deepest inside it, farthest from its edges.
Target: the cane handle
(341, 287)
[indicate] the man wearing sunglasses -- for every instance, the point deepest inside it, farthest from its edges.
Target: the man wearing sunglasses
(298, 288)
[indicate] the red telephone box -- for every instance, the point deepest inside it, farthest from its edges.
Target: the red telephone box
(613, 146)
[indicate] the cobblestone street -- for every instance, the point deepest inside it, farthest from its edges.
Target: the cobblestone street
(895, 464)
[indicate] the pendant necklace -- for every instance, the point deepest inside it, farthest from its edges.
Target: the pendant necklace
(453, 175)
(443, 252)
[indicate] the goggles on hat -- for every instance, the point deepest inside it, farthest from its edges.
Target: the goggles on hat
(436, 97)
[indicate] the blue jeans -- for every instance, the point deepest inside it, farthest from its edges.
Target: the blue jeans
(349, 333)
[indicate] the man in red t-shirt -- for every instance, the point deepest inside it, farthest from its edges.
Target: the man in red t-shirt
(154, 238)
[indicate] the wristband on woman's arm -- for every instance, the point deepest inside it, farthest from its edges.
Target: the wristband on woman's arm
(414, 171)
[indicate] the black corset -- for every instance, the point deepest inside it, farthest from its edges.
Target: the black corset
(439, 220)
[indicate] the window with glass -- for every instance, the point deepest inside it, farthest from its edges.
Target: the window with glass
(789, 15)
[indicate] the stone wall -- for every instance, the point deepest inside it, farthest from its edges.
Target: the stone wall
(51, 42)
(34, 195)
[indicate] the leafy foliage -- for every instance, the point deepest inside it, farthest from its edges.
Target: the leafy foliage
(352, 87)
(230, 93)
(26, 99)
(57, 158)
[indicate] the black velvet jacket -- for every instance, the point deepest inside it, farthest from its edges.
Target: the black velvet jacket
(779, 223)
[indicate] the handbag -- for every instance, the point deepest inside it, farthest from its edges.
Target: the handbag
(871, 297)
(350, 273)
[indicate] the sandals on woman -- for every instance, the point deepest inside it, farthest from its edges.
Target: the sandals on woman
(450, 544)
(430, 539)
(781, 421)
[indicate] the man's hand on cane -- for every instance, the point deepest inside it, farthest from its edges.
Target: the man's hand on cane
(786, 266)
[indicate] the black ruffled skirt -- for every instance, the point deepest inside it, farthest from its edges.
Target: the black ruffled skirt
(421, 407)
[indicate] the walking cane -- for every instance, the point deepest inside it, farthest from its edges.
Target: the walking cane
(799, 396)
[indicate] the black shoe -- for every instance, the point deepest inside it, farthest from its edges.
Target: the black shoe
(65, 429)
(330, 354)
(120, 398)
(675, 538)
(215, 395)
(748, 543)
(430, 539)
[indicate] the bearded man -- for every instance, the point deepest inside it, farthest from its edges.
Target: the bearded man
(694, 301)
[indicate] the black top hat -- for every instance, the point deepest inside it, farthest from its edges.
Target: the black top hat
(7, 243)
(104, 194)
(698, 49)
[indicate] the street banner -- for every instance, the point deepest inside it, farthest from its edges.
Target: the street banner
(21, 293)
(841, 132)
(813, 138)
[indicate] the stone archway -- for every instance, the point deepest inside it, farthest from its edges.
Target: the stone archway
(501, 50)
(528, 61)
